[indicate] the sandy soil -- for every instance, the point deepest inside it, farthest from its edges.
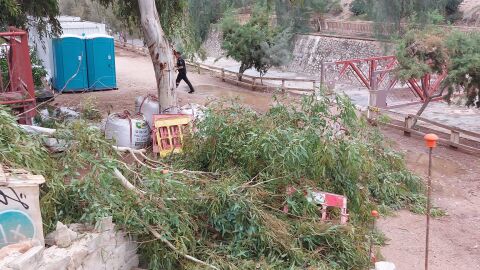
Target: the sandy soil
(455, 238)
(135, 77)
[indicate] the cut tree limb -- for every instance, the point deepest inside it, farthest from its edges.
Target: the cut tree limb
(125, 183)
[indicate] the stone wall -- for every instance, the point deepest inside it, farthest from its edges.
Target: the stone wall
(77, 247)
(310, 50)
(212, 44)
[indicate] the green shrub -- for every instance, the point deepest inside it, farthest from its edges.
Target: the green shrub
(38, 70)
(359, 7)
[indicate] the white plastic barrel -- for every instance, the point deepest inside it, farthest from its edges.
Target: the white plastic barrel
(127, 130)
(148, 106)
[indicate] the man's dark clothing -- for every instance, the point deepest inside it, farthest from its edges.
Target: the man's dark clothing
(182, 74)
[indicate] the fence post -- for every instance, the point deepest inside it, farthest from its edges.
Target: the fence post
(313, 86)
(223, 74)
(283, 85)
(409, 121)
(253, 83)
(454, 138)
(322, 74)
(372, 101)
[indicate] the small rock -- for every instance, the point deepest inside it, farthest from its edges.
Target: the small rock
(104, 225)
(63, 236)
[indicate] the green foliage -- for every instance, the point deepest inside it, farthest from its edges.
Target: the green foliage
(91, 10)
(396, 11)
(335, 151)
(433, 50)
(19, 149)
(255, 44)
(4, 70)
(360, 7)
(44, 13)
(464, 65)
(89, 110)
(296, 14)
(38, 70)
(421, 51)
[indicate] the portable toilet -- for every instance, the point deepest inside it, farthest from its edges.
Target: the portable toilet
(101, 62)
(70, 65)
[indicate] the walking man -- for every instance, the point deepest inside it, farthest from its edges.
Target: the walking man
(182, 71)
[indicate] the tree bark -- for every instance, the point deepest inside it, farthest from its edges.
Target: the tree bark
(161, 53)
(242, 69)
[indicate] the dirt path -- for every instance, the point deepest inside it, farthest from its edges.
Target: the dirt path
(135, 77)
(455, 238)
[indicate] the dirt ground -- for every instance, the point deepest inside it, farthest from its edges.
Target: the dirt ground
(455, 238)
(135, 77)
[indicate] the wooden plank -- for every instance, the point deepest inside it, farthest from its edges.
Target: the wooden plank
(440, 140)
(460, 130)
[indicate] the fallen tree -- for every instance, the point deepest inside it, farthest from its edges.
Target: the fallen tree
(235, 198)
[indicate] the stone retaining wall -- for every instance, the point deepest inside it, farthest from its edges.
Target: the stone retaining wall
(310, 50)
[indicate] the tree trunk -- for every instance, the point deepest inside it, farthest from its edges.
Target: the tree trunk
(242, 69)
(161, 53)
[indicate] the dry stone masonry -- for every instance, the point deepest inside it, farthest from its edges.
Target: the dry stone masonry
(310, 50)
(78, 247)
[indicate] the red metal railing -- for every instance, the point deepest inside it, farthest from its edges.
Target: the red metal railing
(423, 87)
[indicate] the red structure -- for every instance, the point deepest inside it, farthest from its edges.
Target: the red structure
(326, 200)
(378, 67)
(385, 62)
(18, 90)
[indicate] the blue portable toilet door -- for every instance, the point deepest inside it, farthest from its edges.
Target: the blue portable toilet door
(73, 64)
(101, 67)
(75, 72)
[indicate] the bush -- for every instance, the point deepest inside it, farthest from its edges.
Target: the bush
(38, 70)
(359, 7)
(336, 8)
(452, 6)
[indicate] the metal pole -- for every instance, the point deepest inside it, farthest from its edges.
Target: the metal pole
(374, 215)
(431, 142)
(429, 192)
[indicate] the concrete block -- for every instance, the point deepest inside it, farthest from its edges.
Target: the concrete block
(384, 266)
(29, 260)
